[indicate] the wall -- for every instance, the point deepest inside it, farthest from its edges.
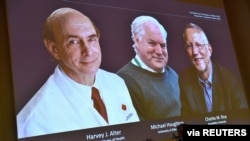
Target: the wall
(239, 22)
(7, 116)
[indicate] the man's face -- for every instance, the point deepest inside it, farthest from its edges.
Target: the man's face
(198, 49)
(77, 45)
(152, 47)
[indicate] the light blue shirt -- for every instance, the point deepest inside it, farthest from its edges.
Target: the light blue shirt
(207, 88)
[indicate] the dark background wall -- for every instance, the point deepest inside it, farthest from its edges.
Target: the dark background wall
(238, 13)
(7, 116)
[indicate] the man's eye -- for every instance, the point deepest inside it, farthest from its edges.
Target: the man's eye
(163, 45)
(189, 45)
(152, 43)
(199, 45)
(92, 39)
(73, 42)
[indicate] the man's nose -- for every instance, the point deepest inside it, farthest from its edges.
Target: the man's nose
(158, 49)
(195, 49)
(86, 48)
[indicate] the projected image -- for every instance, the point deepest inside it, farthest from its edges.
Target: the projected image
(90, 96)
(153, 84)
(118, 70)
(207, 86)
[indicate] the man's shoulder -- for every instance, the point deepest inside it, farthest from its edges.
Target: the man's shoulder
(187, 72)
(223, 73)
(101, 73)
(221, 69)
(48, 86)
(171, 70)
(127, 67)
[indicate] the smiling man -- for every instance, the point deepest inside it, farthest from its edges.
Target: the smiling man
(67, 101)
(153, 84)
(206, 86)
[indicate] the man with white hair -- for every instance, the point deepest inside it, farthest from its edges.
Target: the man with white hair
(153, 84)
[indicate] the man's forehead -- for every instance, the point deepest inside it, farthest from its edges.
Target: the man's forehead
(74, 20)
(198, 35)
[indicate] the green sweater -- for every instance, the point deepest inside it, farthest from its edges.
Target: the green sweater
(154, 95)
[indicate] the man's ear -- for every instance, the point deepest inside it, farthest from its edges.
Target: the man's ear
(136, 39)
(51, 47)
(210, 49)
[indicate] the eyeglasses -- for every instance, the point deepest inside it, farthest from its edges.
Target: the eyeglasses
(189, 47)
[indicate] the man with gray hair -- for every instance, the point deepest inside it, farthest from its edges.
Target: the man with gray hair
(207, 87)
(153, 84)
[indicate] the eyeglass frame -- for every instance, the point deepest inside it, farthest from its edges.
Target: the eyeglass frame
(197, 45)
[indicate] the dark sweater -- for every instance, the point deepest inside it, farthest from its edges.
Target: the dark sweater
(227, 91)
(154, 95)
